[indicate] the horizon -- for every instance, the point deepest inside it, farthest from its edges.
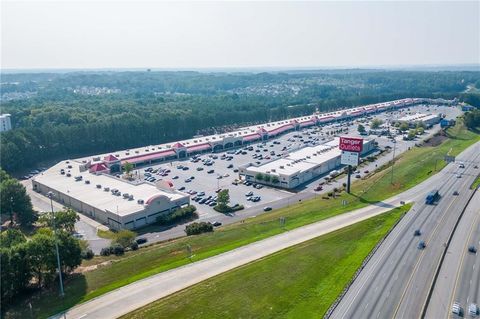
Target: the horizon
(238, 34)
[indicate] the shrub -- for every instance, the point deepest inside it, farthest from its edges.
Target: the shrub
(330, 194)
(198, 228)
(105, 251)
(335, 190)
(87, 254)
(124, 238)
(117, 249)
(179, 215)
(134, 246)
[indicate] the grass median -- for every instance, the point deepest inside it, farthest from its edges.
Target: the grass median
(113, 272)
(298, 282)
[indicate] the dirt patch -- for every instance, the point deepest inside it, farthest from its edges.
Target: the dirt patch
(81, 270)
(435, 140)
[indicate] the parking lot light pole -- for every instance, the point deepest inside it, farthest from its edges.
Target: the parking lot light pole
(62, 294)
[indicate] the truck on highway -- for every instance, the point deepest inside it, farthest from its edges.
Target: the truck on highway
(432, 197)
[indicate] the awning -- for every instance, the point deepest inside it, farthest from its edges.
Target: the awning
(281, 129)
(251, 137)
(307, 123)
(149, 157)
(199, 148)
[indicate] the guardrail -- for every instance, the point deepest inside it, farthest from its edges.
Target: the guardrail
(439, 265)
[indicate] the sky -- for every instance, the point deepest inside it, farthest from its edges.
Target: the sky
(237, 34)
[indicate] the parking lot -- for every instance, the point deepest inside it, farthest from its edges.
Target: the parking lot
(203, 175)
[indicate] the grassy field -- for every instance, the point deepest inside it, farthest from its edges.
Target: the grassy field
(298, 282)
(161, 257)
(476, 183)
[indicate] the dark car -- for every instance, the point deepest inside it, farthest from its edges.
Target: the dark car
(417, 232)
(141, 240)
(216, 224)
(421, 245)
(472, 249)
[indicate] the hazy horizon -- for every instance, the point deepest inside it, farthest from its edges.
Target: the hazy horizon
(198, 35)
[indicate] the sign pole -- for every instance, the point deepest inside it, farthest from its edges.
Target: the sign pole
(348, 178)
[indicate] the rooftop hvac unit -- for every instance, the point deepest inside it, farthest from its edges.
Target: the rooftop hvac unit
(130, 197)
(99, 186)
(140, 201)
(273, 170)
(87, 182)
(282, 167)
(106, 189)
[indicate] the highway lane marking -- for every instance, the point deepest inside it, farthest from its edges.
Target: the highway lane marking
(393, 241)
(463, 259)
(444, 216)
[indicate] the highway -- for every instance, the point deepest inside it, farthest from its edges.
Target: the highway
(459, 277)
(396, 281)
(140, 293)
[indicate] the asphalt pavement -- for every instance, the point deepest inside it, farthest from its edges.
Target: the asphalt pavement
(459, 276)
(396, 280)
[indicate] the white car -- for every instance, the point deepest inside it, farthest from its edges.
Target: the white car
(473, 310)
(456, 309)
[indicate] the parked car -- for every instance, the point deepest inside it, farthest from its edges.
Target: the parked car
(472, 249)
(267, 208)
(141, 240)
(216, 224)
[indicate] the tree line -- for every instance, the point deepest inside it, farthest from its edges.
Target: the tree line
(159, 107)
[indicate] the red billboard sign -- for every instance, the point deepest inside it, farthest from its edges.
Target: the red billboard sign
(351, 144)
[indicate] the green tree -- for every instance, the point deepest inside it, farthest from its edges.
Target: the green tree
(267, 178)
(15, 201)
(124, 237)
(420, 130)
(128, 167)
(11, 237)
(403, 126)
(361, 128)
(223, 198)
(420, 124)
(412, 134)
(275, 180)
(376, 123)
(16, 271)
(64, 219)
(259, 176)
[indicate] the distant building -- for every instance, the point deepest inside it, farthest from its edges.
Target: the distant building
(5, 123)
(446, 123)
(299, 167)
(467, 108)
(427, 119)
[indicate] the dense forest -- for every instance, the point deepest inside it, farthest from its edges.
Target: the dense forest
(60, 115)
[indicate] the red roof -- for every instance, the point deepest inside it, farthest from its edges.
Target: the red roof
(262, 130)
(147, 157)
(281, 129)
(199, 147)
(251, 137)
(98, 167)
(307, 123)
(110, 158)
(178, 145)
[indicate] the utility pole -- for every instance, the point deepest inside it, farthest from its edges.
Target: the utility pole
(393, 161)
(62, 294)
(349, 178)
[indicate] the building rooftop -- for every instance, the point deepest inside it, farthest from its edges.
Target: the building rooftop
(417, 117)
(98, 197)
